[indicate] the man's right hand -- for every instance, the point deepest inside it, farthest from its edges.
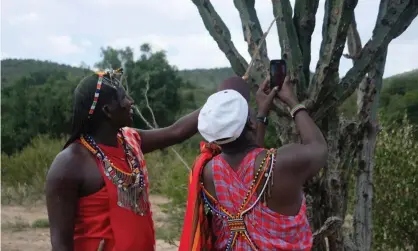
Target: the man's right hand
(264, 98)
(286, 93)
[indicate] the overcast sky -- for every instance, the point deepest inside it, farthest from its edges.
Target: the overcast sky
(73, 31)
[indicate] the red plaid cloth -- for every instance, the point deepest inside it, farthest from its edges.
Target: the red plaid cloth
(267, 229)
(134, 140)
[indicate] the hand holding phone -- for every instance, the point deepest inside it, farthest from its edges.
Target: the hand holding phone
(277, 73)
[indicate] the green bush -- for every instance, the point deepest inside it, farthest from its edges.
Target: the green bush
(395, 206)
(23, 174)
(169, 177)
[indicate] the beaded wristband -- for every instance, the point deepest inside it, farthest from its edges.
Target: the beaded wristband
(296, 109)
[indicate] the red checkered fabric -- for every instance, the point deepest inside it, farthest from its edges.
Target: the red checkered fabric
(134, 140)
(267, 229)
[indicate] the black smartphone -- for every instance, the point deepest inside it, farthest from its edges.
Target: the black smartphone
(277, 73)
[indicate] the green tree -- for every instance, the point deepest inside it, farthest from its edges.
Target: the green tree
(152, 76)
(396, 211)
(40, 101)
(323, 93)
(38, 104)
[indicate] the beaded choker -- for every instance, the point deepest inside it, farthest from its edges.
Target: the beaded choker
(130, 185)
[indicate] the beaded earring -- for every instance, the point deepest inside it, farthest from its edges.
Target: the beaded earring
(96, 95)
(111, 81)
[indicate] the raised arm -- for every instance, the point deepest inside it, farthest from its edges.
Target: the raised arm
(264, 98)
(62, 184)
(178, 132)
(301, 161)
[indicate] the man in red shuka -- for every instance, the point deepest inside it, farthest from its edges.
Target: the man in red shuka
(97, 186)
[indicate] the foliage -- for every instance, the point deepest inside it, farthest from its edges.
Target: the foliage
(401, 93)
(23, 174)
(169, 177)
(40, 102)
(396, 189)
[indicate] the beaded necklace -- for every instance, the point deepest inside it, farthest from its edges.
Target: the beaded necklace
(130, 185)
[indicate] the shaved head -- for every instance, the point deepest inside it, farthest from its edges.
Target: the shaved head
(237, 84)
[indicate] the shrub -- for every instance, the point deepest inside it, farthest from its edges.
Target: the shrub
(23, 174)
(395, 207)
(169, 177)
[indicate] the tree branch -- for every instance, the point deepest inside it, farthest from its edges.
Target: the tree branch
(354, 45)
(304, 21)
(368, 96)
(289, 44)
(393, 23)
(137, 111)
(280, 109)
(253, 34)
(247, 72)
(337, 18)
(331, 224)
(147, 103)
(220, 33)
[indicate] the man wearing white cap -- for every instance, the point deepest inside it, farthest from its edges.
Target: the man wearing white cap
(253, 195)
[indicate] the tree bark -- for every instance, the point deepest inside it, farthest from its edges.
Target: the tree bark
(304, 21)
(289, 44)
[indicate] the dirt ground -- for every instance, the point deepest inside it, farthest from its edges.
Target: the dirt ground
(18, 235)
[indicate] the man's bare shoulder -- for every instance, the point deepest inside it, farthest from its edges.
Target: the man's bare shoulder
(207, 171)
(69, 160)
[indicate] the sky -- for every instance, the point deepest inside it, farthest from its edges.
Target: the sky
(72, 32)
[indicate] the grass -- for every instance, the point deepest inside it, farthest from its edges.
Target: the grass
(40, 223)
(23, 174)
(18, 225)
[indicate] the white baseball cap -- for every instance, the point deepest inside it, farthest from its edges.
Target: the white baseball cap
(223, 117)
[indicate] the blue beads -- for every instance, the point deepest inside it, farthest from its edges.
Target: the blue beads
(132, 160)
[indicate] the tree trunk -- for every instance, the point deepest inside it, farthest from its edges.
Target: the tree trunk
(326, 193)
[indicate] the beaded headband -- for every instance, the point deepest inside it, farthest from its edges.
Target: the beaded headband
(110, 78)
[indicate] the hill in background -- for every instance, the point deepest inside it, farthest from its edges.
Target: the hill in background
(14, 69)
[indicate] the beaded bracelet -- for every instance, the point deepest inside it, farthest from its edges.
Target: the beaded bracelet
(297, 108)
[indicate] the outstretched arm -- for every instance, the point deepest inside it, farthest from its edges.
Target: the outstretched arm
(178, 132)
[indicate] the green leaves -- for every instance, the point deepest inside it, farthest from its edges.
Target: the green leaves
(40, 101)
(396, 188)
